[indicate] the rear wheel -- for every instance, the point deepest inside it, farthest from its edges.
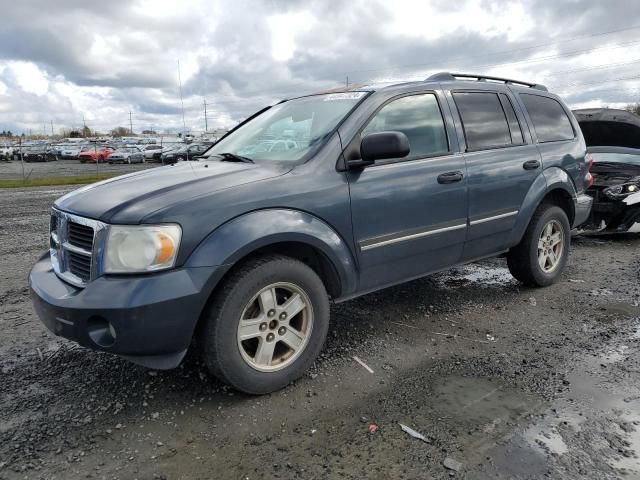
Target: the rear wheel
(538, 260)
(266, 325)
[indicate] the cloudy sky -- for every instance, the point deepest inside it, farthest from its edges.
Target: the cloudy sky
(65, 59)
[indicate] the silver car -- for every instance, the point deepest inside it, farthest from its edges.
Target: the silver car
(127, 155)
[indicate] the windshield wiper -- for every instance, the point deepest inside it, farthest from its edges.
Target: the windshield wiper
(232, 157)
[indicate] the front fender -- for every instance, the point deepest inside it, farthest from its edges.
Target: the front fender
(553, 178)
(244, 234)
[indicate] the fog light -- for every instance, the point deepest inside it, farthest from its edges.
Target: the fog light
(101, 331)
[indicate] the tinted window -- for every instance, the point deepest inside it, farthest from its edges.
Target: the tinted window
(514, 125)
(483, 120)
(549, 119)
(419, 118)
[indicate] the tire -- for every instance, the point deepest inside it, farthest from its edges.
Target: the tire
(526, 259)
(100, 159)
(232, 360)
(129, 160)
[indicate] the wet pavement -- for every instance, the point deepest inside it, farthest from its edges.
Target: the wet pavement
(508, 381)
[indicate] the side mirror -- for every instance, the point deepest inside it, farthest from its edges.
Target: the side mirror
(381, 146)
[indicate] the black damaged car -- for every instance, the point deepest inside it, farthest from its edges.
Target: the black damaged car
(613, 142)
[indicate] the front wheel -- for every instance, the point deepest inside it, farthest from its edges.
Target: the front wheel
(266, 325)
(539, 259)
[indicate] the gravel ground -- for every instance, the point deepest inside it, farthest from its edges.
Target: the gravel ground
(65, 168)
(509, 382)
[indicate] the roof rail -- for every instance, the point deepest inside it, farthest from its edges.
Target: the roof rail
(446, 76)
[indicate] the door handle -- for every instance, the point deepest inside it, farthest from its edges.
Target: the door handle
(450, 177)
(531, 165)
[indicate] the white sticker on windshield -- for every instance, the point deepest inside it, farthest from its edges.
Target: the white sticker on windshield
(344, 96)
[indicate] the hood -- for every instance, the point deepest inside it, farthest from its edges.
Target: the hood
(130, 198)
(609, 127)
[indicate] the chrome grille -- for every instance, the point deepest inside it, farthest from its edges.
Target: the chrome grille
(80, 235)
(74, 246)
(79, 265)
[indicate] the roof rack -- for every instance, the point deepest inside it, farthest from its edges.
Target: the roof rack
(446, 76)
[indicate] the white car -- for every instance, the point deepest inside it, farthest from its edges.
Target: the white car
(71, 152)
(6, 152)
(149, 150)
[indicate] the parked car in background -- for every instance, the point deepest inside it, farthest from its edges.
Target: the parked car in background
(613, 142)
(95, 154)
(157, 154)
(149, 150)
(127, 155)
(6, 152)
(40, 153)
(385, 185)
(185, 153)
(71, 151)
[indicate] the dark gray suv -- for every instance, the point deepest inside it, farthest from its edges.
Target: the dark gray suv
(321, 197)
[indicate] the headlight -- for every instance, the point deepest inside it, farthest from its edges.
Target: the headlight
(617, 192)
(137, 249)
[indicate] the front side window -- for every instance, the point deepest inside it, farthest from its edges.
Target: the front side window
(483, 120)
(287, 132)
(550, 121)
(419, 118)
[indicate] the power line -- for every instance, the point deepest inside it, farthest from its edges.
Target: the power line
(504, 52)
(538, 59)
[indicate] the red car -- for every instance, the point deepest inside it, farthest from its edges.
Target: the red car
(99, 154)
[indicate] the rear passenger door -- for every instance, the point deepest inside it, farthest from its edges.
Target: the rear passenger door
(409, 214)
(502, 163)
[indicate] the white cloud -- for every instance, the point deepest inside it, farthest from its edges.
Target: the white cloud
(284, 29)
(29, 77)
(102, 59)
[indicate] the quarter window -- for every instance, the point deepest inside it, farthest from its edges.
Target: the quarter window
(419, 118)
(550, 121)
(514, 125)
(483, 119)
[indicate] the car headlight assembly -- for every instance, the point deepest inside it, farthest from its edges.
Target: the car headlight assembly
(141, 248)
(617, 192)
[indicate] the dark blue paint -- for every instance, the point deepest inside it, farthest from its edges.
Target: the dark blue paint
(228, 210)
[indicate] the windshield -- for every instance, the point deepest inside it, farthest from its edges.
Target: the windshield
(627, 158)
(288, 131)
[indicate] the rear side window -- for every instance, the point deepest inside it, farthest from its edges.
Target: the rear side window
(483, 120)
(550, 121)
(419, 118)
(514, 125)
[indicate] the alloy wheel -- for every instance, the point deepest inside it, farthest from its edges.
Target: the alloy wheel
(551, 246)
(275, 327)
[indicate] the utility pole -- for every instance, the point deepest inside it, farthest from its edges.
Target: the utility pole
(52, 128)
(130, 123)
(184, 125)
(84, 127)
(206, 125)
(347, 81)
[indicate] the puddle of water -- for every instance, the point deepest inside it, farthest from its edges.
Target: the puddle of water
(546, 440)
(483, 275)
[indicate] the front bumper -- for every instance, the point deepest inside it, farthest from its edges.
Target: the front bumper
(147, 319)
(583, 204)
